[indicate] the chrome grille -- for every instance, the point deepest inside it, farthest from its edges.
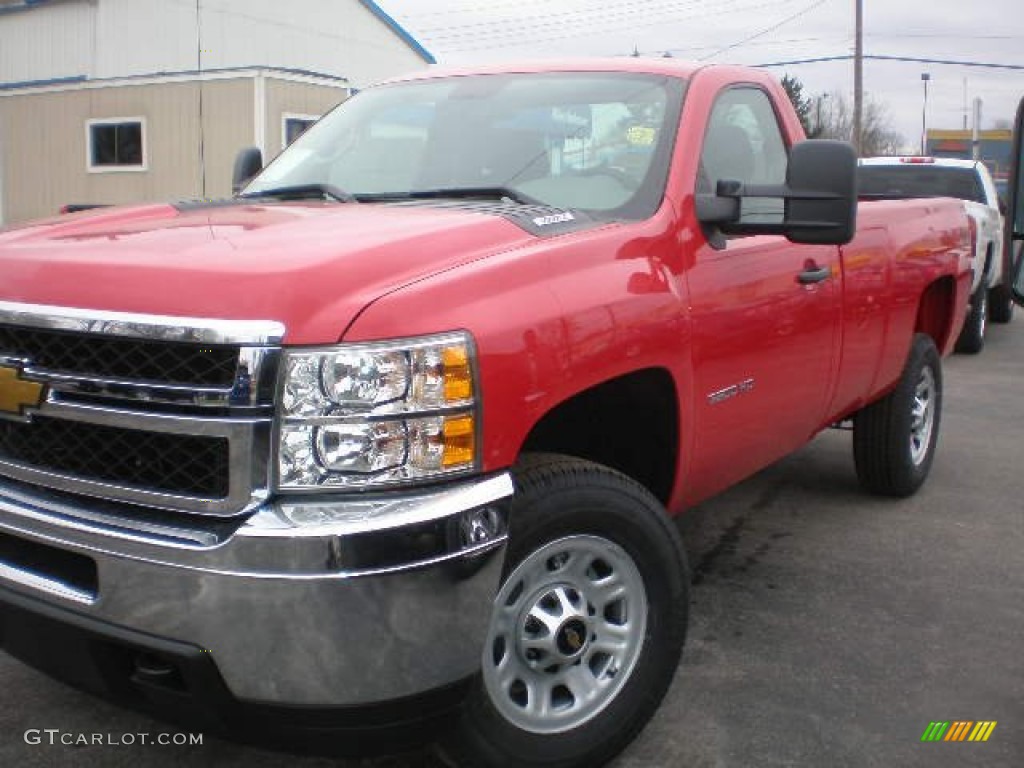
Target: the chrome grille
(119, 358)
(169, 413)
(178, 464)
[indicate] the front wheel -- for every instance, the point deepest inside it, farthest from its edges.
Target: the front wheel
(894, 438)
(587, 628)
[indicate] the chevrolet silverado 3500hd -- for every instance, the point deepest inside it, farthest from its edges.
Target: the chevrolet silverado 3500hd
(398, 431)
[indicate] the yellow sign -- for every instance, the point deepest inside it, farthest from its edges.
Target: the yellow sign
(16, 394)
(641, 135)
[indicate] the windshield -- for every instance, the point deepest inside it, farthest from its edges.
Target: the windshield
(919, 180)
(597, 142)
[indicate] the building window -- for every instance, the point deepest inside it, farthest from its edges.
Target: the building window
(116, 144)
(293, 126)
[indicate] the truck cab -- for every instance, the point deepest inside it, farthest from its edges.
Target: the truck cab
(397, 433)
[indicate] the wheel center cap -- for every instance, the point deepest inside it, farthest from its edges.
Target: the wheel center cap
(571, 637)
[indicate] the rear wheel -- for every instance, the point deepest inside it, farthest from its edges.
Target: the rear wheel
(894, 438)
(1000, 303)
(587, 628)
(972, 337)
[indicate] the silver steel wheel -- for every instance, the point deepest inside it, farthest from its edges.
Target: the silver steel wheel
(922, 416)
(566, 630)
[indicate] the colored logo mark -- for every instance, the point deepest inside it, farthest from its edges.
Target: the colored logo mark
(959, 730)
(16, 394)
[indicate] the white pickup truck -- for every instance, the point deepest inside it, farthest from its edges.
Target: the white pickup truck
(969, 180)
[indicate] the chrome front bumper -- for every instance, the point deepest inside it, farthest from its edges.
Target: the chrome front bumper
(332, 603)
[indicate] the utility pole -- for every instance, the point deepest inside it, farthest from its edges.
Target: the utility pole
(925, 77)
(976, 131)
(965, 103)
(858, 77)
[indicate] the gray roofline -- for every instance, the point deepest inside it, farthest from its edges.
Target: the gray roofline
(82, 79)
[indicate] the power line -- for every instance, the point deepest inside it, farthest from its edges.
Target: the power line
(766, 30)
(574, 32)
(878, 57)
(621, 17)
(520, 21)
(517, 4)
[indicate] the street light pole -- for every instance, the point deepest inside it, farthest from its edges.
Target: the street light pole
(925, 77)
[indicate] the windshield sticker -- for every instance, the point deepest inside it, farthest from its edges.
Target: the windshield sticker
(555, 218)
(640, 135)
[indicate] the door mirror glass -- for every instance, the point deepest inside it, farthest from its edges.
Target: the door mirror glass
(248, 163)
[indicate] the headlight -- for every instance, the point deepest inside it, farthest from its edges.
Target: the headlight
(365, 415)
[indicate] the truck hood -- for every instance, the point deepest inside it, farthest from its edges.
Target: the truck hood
(310, 266)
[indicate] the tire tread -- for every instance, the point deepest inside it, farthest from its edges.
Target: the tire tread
(880, 439)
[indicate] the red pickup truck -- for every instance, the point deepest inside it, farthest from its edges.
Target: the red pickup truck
(397, 433)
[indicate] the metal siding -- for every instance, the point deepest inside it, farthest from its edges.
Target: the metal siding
(52, 126)
(228, 118)
(341, 38)
(136, 37)
(116, 38)
(3, 160)
(297, 98)
(48, 41)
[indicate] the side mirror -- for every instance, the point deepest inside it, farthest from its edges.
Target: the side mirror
(1014, 234)
(248, 162)
(820, 197)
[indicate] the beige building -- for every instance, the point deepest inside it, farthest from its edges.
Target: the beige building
(137, 139)
(83, 120)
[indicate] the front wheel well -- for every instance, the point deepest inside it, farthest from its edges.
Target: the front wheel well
(986, 280)
(935, 311)
(630, 423)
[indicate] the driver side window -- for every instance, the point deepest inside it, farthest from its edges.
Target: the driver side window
(743, 142)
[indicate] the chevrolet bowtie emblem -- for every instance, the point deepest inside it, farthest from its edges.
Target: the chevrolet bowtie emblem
(17, 396)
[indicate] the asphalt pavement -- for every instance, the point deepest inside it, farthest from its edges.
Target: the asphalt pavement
(828, 628)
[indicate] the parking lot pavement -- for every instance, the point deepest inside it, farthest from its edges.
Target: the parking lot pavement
(828, 628)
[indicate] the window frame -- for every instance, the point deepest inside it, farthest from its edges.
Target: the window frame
(780, 124)
(94, 121)
(286, 116)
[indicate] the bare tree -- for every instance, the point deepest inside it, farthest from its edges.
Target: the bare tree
(831, 117)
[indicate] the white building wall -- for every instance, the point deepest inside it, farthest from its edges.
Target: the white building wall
(118, 38)
(337, 37)
(140, 37)
(48, 41)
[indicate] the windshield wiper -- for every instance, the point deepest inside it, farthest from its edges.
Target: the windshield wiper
(488, 193)
(304, 192)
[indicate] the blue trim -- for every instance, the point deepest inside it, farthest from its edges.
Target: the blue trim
(399, 30)
(37, 83)
(26, 5)
(82, 78)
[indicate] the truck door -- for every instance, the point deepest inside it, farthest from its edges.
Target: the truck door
(764, 311)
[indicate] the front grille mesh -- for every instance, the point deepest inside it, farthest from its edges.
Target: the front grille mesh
(112, 357)
(157, 461)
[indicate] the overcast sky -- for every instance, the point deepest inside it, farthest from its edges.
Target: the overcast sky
(760, 32)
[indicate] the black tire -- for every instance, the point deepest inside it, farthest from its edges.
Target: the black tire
(1000, 303)
(587, 524)
(891, 449)
(972, 338)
